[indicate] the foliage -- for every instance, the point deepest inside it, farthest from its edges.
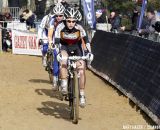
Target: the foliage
(126, 6)
(155, 4)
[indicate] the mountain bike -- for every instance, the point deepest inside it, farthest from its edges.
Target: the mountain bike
(49, 59)
(73, 84)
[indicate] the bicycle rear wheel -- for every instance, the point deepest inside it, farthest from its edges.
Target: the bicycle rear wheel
(75, 107)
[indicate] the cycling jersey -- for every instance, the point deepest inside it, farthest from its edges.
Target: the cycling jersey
(43, 27)
(70, 39)
(65, 36)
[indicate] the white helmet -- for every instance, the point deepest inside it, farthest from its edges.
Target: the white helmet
(58, 9)
(73, 13)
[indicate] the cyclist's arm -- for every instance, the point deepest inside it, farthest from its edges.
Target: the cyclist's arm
(51, 30)
(58, 33)
(40, 33)
(41, 27)
(84, 37)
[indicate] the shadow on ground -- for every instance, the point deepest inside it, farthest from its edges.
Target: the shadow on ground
(58, 110)
(39, 81)
(50, 93)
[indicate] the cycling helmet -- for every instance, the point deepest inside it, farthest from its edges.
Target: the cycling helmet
(58, 9)
(73, 13)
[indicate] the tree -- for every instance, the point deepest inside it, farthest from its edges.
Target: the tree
(155, 4)
(122, 6)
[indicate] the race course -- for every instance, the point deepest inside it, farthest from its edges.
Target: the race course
(27, 101)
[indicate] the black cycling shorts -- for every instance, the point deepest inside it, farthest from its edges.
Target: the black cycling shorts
(76, 48)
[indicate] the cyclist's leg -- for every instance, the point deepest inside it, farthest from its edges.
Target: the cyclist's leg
(63, 72)
(44, 52)
(55, 66)
(82, 81)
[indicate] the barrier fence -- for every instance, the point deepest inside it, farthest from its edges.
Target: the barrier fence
(132, 64)
(14, 11)
(23, 40)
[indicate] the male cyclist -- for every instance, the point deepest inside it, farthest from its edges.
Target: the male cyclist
(70, 36)
(58, 11)
(43, 35)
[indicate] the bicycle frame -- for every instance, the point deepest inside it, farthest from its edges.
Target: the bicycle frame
(73, 84)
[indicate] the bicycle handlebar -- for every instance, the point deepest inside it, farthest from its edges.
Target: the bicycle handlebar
(74, 58)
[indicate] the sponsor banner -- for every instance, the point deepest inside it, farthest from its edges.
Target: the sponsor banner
(25, 43)
(88, 6)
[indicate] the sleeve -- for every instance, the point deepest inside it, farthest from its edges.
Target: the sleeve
(58, 33)
(83, 33)
(43, 22)
(41, 27)
(40, 32)
(84, 37)
(51, 23)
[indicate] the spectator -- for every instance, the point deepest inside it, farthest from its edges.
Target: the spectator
(115, 21)
(151, 19)
(135, 17)
(29, 17)
(7, 17)
(65, 4)
(126, 24)
(2, 18)
(100, 17)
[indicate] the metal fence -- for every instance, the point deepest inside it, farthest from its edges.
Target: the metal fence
(14, 11)
(17, 25)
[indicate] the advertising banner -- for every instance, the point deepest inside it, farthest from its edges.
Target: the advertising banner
(88, 6)
(25, 43)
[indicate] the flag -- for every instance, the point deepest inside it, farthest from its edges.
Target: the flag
(142, 14)
(88, 7)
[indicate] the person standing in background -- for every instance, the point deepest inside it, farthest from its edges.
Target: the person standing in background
(115, 21)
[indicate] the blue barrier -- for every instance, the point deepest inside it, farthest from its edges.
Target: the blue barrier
(132, 64)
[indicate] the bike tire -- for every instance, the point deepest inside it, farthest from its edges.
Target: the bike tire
(70, 96)
(75, 108)
(49, 63)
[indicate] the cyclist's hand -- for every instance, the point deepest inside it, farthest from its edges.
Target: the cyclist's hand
(90, 57)
(56, 46)
(86, 52)
(50, 46)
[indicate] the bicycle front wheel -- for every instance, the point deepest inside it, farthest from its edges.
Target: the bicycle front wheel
(75, 98)
(50, 68)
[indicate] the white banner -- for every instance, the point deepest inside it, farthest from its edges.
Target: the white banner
(25, 43)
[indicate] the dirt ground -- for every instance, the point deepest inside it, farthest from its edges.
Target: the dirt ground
(27, 101)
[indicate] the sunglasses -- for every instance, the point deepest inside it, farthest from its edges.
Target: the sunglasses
(59, 15)
(69, 21)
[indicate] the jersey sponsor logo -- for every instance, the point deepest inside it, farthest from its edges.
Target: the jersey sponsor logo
(70, 36)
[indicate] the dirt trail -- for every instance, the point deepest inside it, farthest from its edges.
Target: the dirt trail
(28, 103)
